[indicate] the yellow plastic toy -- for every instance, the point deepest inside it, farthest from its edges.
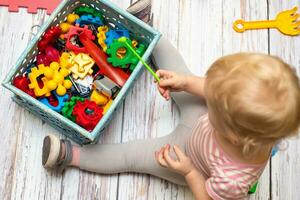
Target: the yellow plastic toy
(81, 65)
(54, 79)
(65, 26)
(102, 37)
(99, 98)
(35, 73)
(64, 60)
(286, 22)
(107, 106)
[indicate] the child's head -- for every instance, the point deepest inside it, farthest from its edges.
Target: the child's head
(255, 97)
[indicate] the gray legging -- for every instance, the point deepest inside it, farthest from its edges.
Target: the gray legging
(98, 158)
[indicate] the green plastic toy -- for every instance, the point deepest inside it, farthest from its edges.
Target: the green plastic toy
(253, 189)
(124, 40)
(88, 11)
(129, 57)
(69, 106)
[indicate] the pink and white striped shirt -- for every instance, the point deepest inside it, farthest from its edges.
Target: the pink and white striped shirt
(225, 178)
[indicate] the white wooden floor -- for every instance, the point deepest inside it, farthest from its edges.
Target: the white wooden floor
(201, 30)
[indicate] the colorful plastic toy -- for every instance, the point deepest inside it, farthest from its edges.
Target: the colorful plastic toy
(106, 86)
(69, 106)
(65, 26)
(73, 35)
(102, 37)
(111, 35)
(54, 79)
(61, 102)
(32, 6)
(49, 37)
(88, 11)
(81, 65)
(129, 56)
(79, 89)
(115, 74)
(71, 18)
(286, 22)
(87, 114)
(51, 55)
(88, 20)
(99, 98)
(123, 39)
(21, 82)
(107, 106)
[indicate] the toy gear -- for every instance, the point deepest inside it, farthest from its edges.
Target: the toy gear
(102, 37)
(72, 38)
(88, 11)
(87, 114)
(129, 57)
(111, 35)
(89, 20)
(21, 82)
(61, 102)
(49, 37)
(67, 110)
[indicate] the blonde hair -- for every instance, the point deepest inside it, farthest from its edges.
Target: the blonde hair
(256, 97)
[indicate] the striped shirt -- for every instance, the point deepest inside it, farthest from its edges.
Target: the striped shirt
(225, 178)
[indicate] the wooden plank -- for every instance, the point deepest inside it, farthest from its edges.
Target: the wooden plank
(285, 165)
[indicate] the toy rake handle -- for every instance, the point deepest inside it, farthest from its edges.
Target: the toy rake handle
(241, 26)
(141, 59)
(115, 74)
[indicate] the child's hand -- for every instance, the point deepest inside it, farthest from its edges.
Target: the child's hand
(170, 81)
(182, 165)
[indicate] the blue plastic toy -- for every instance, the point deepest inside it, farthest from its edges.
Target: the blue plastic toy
(89, 20)
(61, 102)
(111, 35)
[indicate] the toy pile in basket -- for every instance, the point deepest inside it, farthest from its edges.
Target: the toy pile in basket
(80, 68)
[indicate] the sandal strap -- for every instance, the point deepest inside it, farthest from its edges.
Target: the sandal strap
(68, 156)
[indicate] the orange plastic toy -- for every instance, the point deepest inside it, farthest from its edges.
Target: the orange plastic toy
(286, 22)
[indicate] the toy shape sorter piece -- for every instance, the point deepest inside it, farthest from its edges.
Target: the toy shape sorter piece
(115, 74)
(99, 98)
(32, 6)
(128, 56)
(53, 78)
(67, 110)
(61, 102)
(87, 114)
(89, 20)
(83, 10)
(102, 37)
(49, 37)
(112, 35)
(72, 36)
(22, 83)
(104, 85)
(81, 65)
(51, 55)
(107, 106)
(79, 89)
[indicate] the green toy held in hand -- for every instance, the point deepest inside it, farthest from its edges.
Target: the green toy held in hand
(123, 39)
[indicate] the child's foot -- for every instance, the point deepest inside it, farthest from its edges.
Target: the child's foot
(142, 10)
(57, 154)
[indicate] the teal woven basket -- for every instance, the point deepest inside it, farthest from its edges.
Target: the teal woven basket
(116, 18)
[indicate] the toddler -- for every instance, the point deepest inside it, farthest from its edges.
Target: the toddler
(229, 122)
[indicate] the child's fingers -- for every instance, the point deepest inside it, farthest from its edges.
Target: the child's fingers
(170, 162)
(180, 155)
(160, 159)
(162, 73)
(166, 82)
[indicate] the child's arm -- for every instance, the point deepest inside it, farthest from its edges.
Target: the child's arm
(183, 165)
(171, 81)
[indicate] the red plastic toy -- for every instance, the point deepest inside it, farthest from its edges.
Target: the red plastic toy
(51, 55)
(49, 37)
(115, 74)
(21, 82)
(73, 34)
(87, 114)
(14, 5)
